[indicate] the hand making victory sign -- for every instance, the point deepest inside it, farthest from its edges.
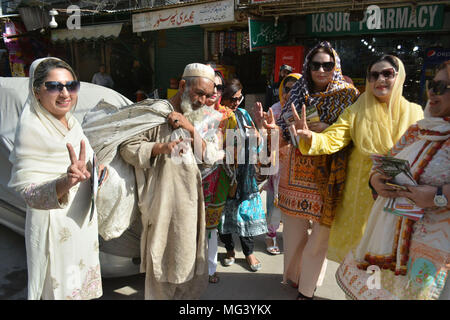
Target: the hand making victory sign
(300, 127)
(77, 171)
(264, 119)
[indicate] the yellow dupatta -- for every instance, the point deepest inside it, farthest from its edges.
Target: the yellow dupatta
(378, 125)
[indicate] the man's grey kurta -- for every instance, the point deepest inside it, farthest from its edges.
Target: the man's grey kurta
(173, 243)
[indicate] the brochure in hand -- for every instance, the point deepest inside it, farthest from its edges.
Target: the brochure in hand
(94, 186)
(399, 169)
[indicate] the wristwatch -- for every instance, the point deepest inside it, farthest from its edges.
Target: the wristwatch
(439, 199)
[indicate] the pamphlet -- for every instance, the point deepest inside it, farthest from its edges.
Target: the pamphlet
(399, 169)
(94, 184)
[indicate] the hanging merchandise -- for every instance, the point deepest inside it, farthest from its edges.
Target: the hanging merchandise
(212, 43)
(246, 42)
(265, 65)
(227, 41)
(222, 43)
(239, 43)
(217, 43)
(16, 62)
(233, 46)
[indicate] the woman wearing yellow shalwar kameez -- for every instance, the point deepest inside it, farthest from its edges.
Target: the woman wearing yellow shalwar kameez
(374, 123)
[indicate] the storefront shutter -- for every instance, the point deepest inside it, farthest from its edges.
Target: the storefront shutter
(175, 48)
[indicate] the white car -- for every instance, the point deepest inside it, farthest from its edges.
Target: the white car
(118, 257)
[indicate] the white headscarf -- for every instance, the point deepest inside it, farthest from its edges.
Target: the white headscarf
(40, 153)
(438, 124)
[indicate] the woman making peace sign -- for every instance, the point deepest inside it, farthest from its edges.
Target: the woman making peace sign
(61, 233)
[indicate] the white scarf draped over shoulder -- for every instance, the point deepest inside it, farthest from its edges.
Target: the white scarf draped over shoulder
(40, 153)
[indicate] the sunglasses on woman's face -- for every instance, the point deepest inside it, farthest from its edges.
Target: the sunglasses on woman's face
(327, 66)
(437, 87)
(219, 87)
(386, 73)
(237, 99)
(56, 86)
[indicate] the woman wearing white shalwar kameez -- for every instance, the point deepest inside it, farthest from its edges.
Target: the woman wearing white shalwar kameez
(61, 233)
(410, 258)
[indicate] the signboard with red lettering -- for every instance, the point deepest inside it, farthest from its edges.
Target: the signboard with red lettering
(211, 12)
(291, 55)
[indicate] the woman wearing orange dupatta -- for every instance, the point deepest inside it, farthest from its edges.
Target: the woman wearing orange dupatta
(215, 181)
(273, 212)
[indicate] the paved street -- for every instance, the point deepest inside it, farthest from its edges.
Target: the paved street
(236, 282)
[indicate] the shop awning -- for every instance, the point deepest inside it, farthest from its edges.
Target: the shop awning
(102, 31)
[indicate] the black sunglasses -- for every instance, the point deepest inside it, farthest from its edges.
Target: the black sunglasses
(437, 87)
(237, 99)
(386, 73)
(220, 87)
(327, 66)
(56, 86)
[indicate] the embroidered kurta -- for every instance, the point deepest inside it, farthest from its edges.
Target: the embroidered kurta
(217, 184)
(429, 250)
(310, 187)
(61, 240)
(73, 270)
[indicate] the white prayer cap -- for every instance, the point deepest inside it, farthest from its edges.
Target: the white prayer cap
(199, 70)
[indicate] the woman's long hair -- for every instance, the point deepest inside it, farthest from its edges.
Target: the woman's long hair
(231, 87)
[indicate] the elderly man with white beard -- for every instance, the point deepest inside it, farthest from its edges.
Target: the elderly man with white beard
(173, 242)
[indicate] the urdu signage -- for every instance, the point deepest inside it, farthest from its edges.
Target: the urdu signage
(378, 20)
(211, 12)
(264, 33)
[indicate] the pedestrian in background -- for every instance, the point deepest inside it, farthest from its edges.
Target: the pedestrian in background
(272, 91)
(102, 78)
(271, 187)
(214, 179)
(243, 213)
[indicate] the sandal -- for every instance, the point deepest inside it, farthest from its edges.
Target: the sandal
(254, 267)
(293, 284)
(214, 278)
(274, 249)
(229, 259)
(301, 296)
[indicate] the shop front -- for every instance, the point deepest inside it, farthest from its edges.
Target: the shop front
(20, 47)
(182, 36)
(417, 35)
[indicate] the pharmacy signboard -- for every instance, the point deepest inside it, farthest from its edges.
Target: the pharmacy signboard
(378, 20)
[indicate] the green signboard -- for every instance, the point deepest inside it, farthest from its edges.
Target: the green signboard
(378, 20)
(265, 33)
